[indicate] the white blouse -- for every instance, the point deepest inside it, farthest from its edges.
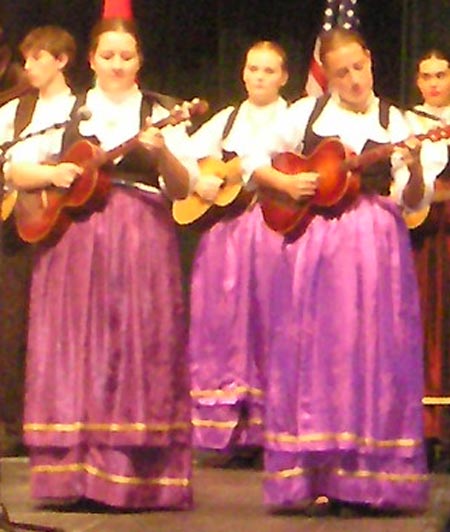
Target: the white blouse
(48, 112)
(250, 127)
(354, 130)
(422, 124)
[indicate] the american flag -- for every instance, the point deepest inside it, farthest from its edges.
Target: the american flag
(337, 13)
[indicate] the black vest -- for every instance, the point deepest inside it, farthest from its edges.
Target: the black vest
(376, 178)
(136, 165)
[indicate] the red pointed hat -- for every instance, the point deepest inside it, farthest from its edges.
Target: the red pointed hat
(117, 8)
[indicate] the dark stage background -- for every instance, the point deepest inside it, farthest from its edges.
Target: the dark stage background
(195, 48)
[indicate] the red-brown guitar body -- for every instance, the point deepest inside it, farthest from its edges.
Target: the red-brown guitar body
(338, 185)
(42, 214)
(285, 215)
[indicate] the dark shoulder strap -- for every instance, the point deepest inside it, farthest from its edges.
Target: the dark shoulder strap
(163, 99)
(80, 101)
(317, 109)
(384, 113)
(146, 109)
(152, 97)
(71, 132)
(229, 123)
(24, 112)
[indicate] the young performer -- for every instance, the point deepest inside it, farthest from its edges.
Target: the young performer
(344, 376)
(430, 245)
(47, 51)
(107, 414)
(229, 299)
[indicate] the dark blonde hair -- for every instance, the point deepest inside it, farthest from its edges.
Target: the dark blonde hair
(116, 24)
(274, 47)
(53, 39)
(336, 38)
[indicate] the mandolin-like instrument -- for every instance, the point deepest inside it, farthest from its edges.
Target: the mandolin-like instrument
(43, 214)
(338, 184)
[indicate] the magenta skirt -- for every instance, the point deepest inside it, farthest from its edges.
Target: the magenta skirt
(345, 376)
(228, 331)
(107, 410)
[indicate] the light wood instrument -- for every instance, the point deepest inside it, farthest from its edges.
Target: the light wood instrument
(415, 219)
(193, 209)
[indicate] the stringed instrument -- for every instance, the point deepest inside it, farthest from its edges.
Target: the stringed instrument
(8, 201)
(415, 219)
(43, 214)
(194, 209)
(338, 181)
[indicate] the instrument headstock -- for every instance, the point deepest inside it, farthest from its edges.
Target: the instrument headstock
(186, 110)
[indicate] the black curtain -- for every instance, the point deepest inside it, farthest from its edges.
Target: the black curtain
(196, 48)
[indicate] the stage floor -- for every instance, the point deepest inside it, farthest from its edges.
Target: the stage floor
(225, 501)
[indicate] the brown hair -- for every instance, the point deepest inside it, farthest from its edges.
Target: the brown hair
(336, 38)
(274, 47)
(116, 24)
(433, 53)
(53, 39)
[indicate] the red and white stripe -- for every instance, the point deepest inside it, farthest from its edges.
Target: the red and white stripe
(316, 83)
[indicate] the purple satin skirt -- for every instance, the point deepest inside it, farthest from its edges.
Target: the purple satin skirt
(345, 376)
(107, 413)
(228, 331)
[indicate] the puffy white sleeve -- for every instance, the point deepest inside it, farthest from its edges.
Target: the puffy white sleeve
(433, 157)
(286, 135)
(207, 140)
(178, 142)
(7, 114)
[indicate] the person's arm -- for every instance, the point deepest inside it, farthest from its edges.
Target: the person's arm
(207, 142)
(297, 186)
(414, 190)
(174, 173)
(26, 176)
(414, 169)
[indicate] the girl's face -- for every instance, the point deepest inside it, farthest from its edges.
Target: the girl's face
(263, 76)
(116, 61)
(433, 81)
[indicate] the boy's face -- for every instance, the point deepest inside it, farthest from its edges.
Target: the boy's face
(42, 67)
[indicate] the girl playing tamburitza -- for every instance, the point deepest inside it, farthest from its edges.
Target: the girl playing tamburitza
(34, 103)
(229, 298)
(344, 373)
(107, 414)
